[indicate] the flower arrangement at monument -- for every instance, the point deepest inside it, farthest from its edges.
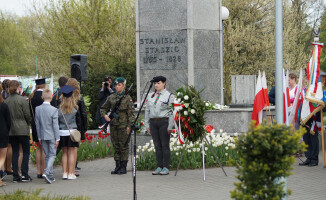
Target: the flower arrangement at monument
(214, 106)
(222, 144)
(189, 110)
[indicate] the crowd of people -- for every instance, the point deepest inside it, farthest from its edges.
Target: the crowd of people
(310, 138)
(44, 114)
(54, 118)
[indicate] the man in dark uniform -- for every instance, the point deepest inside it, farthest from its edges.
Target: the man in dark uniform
(311, 139)
(120, 128)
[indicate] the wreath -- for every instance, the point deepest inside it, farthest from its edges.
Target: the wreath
(189, 110)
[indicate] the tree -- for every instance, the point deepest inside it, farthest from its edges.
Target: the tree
(13, 46)
(249, 38)
(102, 29)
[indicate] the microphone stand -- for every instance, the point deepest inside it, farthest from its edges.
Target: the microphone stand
(134, 129)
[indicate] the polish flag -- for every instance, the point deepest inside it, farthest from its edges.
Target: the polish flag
(264, 85)
(286, 100)
(259, 103)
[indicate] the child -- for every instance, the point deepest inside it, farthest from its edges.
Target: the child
(47, 128)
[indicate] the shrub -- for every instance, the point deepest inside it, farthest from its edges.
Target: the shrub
(265, 155)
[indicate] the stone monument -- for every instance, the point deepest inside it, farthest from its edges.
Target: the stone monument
(243, 89)
(181, 41)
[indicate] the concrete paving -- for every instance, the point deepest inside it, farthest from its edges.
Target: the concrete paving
(96, 182)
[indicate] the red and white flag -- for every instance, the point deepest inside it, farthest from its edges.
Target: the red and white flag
(286, 100)
(264, 85)
(297, 102)
(313, 97)
(259, 102)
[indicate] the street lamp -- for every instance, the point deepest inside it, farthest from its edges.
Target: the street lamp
(224, 14)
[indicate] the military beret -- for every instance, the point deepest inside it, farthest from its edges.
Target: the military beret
(119, 80)
(159, 78)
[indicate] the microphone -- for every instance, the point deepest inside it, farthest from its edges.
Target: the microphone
(152, 81)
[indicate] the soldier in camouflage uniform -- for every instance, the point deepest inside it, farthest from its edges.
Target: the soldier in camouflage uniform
(120, 128)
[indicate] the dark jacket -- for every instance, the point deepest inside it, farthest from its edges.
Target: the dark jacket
(102, 97)
(20, 115)
(35, 101)
(81, 117)
(271, 96)
(56, 98)
(5, 121)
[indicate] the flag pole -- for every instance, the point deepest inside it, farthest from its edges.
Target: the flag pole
(322, 137)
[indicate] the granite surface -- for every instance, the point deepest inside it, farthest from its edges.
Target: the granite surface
(243, 89)
(179, 40)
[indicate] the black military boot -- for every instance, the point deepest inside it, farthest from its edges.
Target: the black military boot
(123, 168)
(117, 167)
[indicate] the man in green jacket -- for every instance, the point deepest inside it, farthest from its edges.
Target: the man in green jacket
(19, 131)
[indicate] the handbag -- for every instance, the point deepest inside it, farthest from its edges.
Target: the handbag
(75, 134)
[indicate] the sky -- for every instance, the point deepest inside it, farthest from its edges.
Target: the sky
(14, 6)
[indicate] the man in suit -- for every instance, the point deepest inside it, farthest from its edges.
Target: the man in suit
(47, 126)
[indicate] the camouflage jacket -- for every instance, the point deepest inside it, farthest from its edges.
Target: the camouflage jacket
(125, 111)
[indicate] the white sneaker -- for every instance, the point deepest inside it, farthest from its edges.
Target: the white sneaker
(72, 177)
(65, 176)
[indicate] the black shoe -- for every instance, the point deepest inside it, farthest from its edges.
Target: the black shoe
(17, 179)
(39, 176)
(313, 164)
(47, 178)
(77, 169)
(123, 168)
(117, 167)
(26, 179)
(9, 172)
(304, 163)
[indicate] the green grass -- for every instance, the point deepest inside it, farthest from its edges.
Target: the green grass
(35, 195)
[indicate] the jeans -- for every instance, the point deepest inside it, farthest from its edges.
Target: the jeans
(161, 139)
(24, 141)
(50, 154)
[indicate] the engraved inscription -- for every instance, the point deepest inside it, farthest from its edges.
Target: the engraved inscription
(163, 51)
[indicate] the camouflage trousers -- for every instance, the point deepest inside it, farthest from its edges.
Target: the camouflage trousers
(119, 137)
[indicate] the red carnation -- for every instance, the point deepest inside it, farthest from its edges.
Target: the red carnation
(108, 145)
(83, 141)
(103, 137)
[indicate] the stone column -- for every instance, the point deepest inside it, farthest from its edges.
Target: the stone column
(181, 41)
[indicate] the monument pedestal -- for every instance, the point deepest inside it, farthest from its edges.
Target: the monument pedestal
(181, 41)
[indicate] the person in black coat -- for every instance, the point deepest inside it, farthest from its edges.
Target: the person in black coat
(271, 96)
(5, 123)
(36, 100)
(106, 90)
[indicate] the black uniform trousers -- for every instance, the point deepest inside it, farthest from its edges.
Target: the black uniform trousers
(313, 146)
